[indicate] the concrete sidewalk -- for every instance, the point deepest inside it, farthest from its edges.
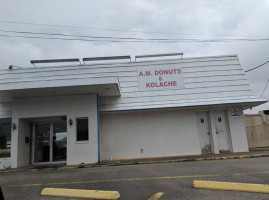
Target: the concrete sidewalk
(251, 154)
(264, 152)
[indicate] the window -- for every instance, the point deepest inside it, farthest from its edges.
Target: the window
(5, 138)
(82, 129)
(266, 112)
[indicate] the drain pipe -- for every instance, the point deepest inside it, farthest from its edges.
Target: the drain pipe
(98, 129)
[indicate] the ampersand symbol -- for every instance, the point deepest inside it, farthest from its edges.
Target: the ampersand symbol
(160, 78)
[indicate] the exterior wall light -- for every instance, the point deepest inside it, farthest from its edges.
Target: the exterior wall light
(14, 126)
(70, 122)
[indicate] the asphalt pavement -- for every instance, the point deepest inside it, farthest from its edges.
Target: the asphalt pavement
(139, 182)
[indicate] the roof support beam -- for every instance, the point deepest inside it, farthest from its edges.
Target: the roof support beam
(55, 61)
(159, 55)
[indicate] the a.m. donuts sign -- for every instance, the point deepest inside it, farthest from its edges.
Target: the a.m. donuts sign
(160, 78)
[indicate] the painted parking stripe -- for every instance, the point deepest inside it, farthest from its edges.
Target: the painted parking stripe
(156, 196)
(135, 179)
(86, 194)
(245, 187)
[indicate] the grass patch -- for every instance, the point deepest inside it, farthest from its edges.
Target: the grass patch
(236, 157)
(265, 156)
(190, 160)
(127, 163)
(81, 165)
(208, 159)
(4, 154)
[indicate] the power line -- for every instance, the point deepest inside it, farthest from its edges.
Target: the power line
(264, 87)
(87, 36)
(257, 66)
(139, 41)
(115, 30)
(52, 38)
(91, 28)
(129, 38)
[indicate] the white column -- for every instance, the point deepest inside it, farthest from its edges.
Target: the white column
(213, 131)
(20, 151)
(14, 143)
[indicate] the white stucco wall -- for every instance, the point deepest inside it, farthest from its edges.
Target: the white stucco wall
(162, 133)
(238, 132)
(5, 110)
(158, 133)
(5, 163)
(71, 106)
(23, 154)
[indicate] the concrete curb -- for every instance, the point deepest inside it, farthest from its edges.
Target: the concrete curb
(243, 187)
(77, 193)
(118, 163)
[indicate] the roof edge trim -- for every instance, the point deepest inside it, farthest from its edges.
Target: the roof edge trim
(165, 108)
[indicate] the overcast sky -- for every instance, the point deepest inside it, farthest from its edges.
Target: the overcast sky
(143, 19)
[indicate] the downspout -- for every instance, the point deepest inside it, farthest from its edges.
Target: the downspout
(98, 129)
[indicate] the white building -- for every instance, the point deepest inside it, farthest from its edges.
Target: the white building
(93, 112)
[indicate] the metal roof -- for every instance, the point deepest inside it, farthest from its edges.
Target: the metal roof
(217, 80)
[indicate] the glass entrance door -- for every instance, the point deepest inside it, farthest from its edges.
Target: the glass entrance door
(59, 142)
(49, 142)
(42, 143)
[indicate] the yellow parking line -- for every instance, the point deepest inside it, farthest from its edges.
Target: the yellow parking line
(86, 194)
(134, 179)
(245, 187)
(156, 196)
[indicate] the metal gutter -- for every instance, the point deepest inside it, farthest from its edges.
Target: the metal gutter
(165, 108)
(98, 129)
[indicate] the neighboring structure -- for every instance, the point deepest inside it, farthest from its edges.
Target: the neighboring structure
(93, 112)
(257, 109)
(257, 127)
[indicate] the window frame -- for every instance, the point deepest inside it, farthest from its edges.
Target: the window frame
(5, 152)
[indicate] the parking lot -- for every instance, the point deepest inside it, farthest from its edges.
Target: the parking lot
(142, 181)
